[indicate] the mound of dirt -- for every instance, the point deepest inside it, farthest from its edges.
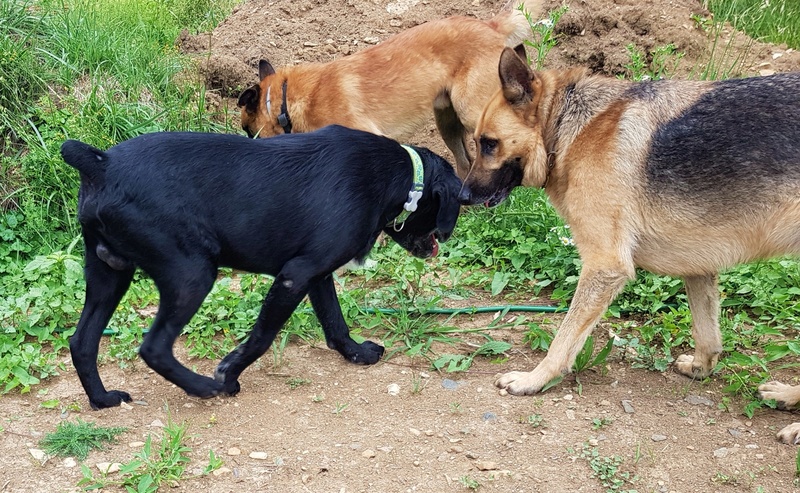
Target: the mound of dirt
(593, 34)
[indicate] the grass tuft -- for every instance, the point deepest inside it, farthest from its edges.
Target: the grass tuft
(77, 439)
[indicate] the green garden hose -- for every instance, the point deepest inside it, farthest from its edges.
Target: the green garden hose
(450, 311)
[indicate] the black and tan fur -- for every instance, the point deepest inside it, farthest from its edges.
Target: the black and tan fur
(681, 178)
(444, 67)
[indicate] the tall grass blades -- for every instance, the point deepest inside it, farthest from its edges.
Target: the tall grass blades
(771, 21)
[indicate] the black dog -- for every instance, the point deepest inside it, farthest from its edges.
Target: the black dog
(297, 207)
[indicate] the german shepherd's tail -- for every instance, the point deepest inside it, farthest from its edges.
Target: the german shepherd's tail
(512, 22)
(90, 161)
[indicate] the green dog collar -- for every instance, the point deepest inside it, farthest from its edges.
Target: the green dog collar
(416, 189)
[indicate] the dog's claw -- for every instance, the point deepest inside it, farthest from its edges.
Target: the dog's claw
(112, 398)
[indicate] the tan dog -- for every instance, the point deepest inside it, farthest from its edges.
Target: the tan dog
(681, 178)
(447, 66)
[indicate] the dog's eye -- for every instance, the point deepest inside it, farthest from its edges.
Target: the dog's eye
(488, 145)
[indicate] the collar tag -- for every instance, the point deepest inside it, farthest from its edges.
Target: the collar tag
(416, 189)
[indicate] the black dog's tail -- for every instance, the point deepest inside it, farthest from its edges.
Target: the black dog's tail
(90, 161)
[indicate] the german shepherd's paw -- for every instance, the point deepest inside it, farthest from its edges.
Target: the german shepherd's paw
(786, 396)
(790, 434)
(524, 383)
(687, 366)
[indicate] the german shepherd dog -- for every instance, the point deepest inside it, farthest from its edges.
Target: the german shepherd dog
(447, 66)
(178, 205)
(680, 178)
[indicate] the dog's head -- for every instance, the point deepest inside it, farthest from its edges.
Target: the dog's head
(437, 211)
(508, 137)
(260, 105)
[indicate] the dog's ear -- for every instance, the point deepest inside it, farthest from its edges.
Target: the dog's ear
(515, 78)
(446, 188)
(250, 99)
(521, 53)
(265, 69)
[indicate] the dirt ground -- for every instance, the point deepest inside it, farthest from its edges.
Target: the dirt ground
(342, 430)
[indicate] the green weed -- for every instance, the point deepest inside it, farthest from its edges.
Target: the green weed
(607, 470)
(77, 439)
(544, 35)
(160, 464)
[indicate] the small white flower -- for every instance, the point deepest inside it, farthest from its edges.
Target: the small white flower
(548, 23)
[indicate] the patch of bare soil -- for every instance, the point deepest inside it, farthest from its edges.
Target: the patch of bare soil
(343, 431)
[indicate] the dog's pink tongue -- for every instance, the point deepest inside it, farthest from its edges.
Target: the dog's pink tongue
(435, 246)
(486, 204)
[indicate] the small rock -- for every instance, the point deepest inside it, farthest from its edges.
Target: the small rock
(489, 416)
(721, 453)
(751, 446)
(759, 456)
(415, 432)
(372, 40)
(69, 462)
(570, 414)
(416, 463)
(38, 454)
(258, 455)
(456, 449)
(627, 406)
(471, 455)
(141, 403)
(157, 423)
(395, 22)
(393, 389)
(658, 438)
(568, 397)
(108, 467)
(309, 44)
(368, 454)
(485, 465)
(605, 403)
(189, 405)
(424, 374)
(697, 400)
(221, 471)
(234, 451)
(593, 442)
(503, 392)
(450, 384)
(125, 405)
(735, 433)
(136, 444)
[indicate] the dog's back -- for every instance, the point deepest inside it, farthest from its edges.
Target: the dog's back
(236, 197)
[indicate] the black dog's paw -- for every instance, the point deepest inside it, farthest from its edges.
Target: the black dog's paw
(112, 398)
(366, 353)
(229, 387)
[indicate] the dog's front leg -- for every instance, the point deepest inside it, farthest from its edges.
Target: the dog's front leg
(286, 292)
(337, 334)
(703, 298)
(596, 289)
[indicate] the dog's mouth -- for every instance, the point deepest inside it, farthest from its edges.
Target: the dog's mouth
(497, 188)
(497, 197)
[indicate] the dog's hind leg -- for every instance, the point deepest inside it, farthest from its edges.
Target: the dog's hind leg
(703, 298)
(105, 287)
(337, 334)
(596, 289)
(453, 132)
(287, 291)
(182, 287)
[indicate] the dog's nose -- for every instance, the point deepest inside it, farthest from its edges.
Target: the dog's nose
(465, 195)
